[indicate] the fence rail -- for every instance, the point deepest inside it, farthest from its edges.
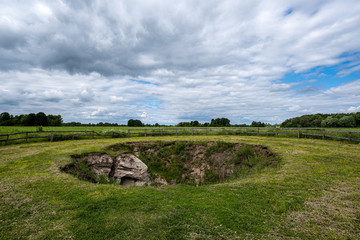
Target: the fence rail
(353, 136)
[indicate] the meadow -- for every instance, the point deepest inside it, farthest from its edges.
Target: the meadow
(19, 134)
(13, 129)
(313, 194)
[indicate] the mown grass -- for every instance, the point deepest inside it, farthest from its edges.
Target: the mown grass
(313, 194)
(71, 133)
(13, 129)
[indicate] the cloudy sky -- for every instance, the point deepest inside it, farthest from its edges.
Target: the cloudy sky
(171, 61)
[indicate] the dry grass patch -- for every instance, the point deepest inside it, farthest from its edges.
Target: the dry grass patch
(335, 214)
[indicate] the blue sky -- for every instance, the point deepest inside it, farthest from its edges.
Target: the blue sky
(322, 77)
(167, 62)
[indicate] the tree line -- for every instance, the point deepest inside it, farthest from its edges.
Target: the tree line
(31, 119)
(220, 122)
(345, 120)
(41, 119)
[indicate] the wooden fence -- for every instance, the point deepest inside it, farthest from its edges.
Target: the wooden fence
(297, 132)
(353, 136)
(49, 135)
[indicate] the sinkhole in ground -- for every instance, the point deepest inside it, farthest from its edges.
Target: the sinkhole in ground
(171, 162)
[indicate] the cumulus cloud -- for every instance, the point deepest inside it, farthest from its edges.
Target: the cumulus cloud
(354, 109)
(198, 60)
(143, 115)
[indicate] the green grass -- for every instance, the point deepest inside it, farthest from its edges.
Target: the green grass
(121, 132)
(313, 194)
(13, 129)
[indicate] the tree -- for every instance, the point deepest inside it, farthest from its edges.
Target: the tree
(54, 120)
(194, 123)
(135, 123)
(29, 120)
(305, 121)
(257, 124)
(41, 119)
(4, 116)
(330, 122)
(357, 119)
(5, 119)
(220, 122)
(347, 121)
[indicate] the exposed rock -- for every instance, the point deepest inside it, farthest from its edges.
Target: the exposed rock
(199, 172)
(160, 180)
(100, 163)
(129, 170)
(125, 168)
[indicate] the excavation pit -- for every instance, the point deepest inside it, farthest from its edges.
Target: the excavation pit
(171, 162)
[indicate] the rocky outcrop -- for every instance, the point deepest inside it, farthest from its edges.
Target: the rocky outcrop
(125, 168)
(129, 170)
(101, 163)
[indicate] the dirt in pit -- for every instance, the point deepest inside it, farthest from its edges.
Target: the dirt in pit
(198, 163)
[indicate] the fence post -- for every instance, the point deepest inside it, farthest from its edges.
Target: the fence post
(258, 131)
(298, 133)
(323, 135)
(128, 132)
(7, 139)
(206, 131)
(26, 136)
(51, 136)
(277, 131)
(192, 131)
(93, 134)
(349, 135)
(145, 132)
(73, 135)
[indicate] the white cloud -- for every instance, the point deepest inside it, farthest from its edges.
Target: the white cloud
(354, 109)
(294, 108)
(350, 88)
(193, 59)
(115, 99)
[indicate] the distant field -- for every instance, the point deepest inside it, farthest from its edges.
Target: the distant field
(313, 194)
(14, 135)
(12, 129)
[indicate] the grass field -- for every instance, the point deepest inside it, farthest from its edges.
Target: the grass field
(13, 129)
(313, 194)
(19, 134)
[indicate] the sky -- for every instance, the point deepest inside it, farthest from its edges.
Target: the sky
(173, 61)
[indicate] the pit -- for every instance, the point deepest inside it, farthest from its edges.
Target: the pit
(171, 162)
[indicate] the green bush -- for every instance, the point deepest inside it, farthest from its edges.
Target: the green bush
(210, 176)
(243, 154)
(219, 147)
